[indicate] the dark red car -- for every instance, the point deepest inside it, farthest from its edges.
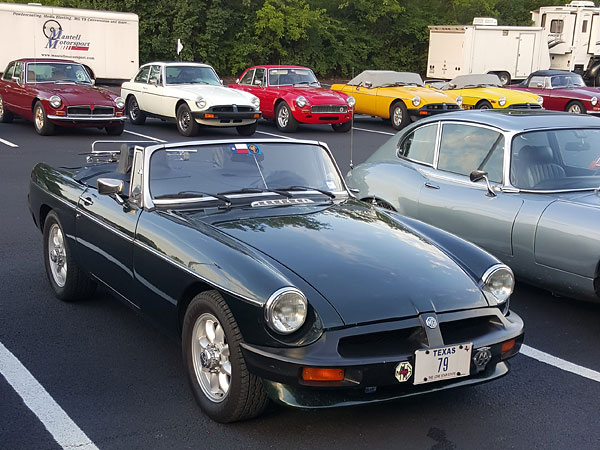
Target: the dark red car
(58, 92)
(292, 94)
(561, 91)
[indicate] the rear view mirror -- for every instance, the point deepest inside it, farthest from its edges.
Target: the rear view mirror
(478, 175)
(109, 186)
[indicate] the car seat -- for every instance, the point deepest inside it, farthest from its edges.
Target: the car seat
(534, 165)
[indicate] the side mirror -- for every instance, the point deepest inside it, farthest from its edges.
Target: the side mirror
(367, 84)
(111, 187)
(258, 82)
(237, 81)
(539, 85)
(93, 81)
(221, 81)
(478, 175)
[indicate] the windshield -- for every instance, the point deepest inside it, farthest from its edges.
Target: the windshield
(191, 75)
(227, 169)
(290, 76)
(556, 160)
(47, 72)
(567, 81)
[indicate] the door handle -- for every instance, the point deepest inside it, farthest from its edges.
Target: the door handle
(87, 201)
(431, 186)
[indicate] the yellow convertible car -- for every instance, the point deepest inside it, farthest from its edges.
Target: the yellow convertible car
(485, 91)
(398, 96)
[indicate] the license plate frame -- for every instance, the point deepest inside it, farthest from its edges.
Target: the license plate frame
(442, 363)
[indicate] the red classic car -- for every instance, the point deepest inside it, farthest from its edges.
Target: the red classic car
(58, 92)
(561, 91)
(292, 95)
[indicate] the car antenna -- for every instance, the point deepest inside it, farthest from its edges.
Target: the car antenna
(351, 139)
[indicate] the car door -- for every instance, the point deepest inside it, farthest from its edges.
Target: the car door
(16, 92)
(153, 93)
(449, 200)
(140, 85)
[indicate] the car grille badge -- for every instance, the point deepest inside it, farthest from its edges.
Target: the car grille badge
(403, 371)
(482, 357)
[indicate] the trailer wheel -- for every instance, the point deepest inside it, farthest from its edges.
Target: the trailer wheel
(504, 78)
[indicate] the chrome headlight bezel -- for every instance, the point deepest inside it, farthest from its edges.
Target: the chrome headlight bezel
(120, 103)
(255, 102)
(201, 102)
(459, 101)
(351, 101)
(540, 100)
(502, 101)
(301, 101)
(498, 283)
(416, 100)
(274, 313)
(594, 101)
(55, 101)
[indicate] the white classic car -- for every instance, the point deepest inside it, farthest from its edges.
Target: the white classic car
(192, 94)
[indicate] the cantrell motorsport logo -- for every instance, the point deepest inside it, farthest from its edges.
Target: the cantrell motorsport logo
(57, 40)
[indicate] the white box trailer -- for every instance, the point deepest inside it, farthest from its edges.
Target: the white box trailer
(509, 51)
(104, 41)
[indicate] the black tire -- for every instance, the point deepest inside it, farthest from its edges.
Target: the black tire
(76, 284)
(246, 396)
(41, 123)
(399, 117)
(284, 120)
(483, 104)
(115, 130)
(575, 107)
(247, 130)
(135, 114)
(186, 124)
(5, 115)
(504, 77)
(342, 127)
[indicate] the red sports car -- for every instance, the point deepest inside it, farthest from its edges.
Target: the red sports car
(292, 94)
(58, 92)
(561, 91)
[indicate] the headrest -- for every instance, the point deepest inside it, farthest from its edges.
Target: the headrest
(533, 154)
(125, 159)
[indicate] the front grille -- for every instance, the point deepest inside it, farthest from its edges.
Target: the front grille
(466, 330)
(232, 108)
(525, 106)
(329, 109)
(384, 343)
(88, 111)
(441, 107)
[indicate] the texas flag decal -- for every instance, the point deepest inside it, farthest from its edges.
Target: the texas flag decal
(239, 148)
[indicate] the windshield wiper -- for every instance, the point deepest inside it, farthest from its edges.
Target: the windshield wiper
(256, 191)
(195, 194)
(307, 188)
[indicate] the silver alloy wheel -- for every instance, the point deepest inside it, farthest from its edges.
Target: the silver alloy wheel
(575, 108)
(39, 117)
(57, 255)
(184, 120)
(283, 117)
(397, 117)
(210, 356)
(134, 109)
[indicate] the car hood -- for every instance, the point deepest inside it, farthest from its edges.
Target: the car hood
(316, 95)
(215, 95)
(366, 264)
(79, 94)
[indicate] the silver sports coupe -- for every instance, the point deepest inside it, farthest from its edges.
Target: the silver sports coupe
(523, 185)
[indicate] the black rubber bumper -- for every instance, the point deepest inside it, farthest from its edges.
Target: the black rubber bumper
(432, 110)
(226, 115)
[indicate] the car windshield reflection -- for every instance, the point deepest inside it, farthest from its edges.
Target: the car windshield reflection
(558, 160)
(567, 81)
(50, 72)
(292, 76)
(191, 75)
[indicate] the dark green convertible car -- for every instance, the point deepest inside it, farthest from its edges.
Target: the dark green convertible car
(278, 281)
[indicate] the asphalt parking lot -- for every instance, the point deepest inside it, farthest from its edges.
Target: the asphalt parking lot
(120, 382)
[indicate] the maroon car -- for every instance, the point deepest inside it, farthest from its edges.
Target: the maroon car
(561, 91)
(58, 92)
(291, 95)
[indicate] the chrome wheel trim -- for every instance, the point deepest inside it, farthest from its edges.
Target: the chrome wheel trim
(575, 109)
(397, 116)
(39, 117)
(1, 108)
(283, 117)
(134, 109)
(184, 120)
(57, 255)
(210, 357)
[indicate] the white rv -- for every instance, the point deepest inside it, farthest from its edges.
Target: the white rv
(511, 52)
(104, 41)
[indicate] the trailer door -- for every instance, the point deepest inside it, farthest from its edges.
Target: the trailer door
(525, 54)
(594, 35)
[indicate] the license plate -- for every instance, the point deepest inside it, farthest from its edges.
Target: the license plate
(438, 364)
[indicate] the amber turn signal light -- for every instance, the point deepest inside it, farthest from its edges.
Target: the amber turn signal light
(256, 116)
(508, 345)
(209, 116)
(319, 374)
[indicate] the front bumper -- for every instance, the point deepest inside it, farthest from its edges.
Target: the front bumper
(432, 109)
(369, 355)
(87, 120)
(323, 114)
(227, 115)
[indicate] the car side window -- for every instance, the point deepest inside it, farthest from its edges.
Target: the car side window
(464, 148)
(8, 72)
(260, 75)
(536, 82)
(155, 75)
(142, 76)
(247, 78)
(419, 145)
(18, 70)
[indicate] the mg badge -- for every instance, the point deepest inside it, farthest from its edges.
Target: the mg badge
(403, 371)
(431, 322)
(483, 355)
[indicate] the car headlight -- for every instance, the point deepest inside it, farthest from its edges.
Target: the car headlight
(200, 102)
(499, 281)
(120, 102)
(502, 101)
(301, 102)
(416, 100)
(55, 101)
(255, 102)
(540, 100)
(594, 100)
(286, 310)
(351, 101)
(459, 100)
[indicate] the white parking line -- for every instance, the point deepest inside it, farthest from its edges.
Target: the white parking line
(273, 134)
(560, 363)
(64, 431)
(144, 136)
(10, 144)
(374, 131)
